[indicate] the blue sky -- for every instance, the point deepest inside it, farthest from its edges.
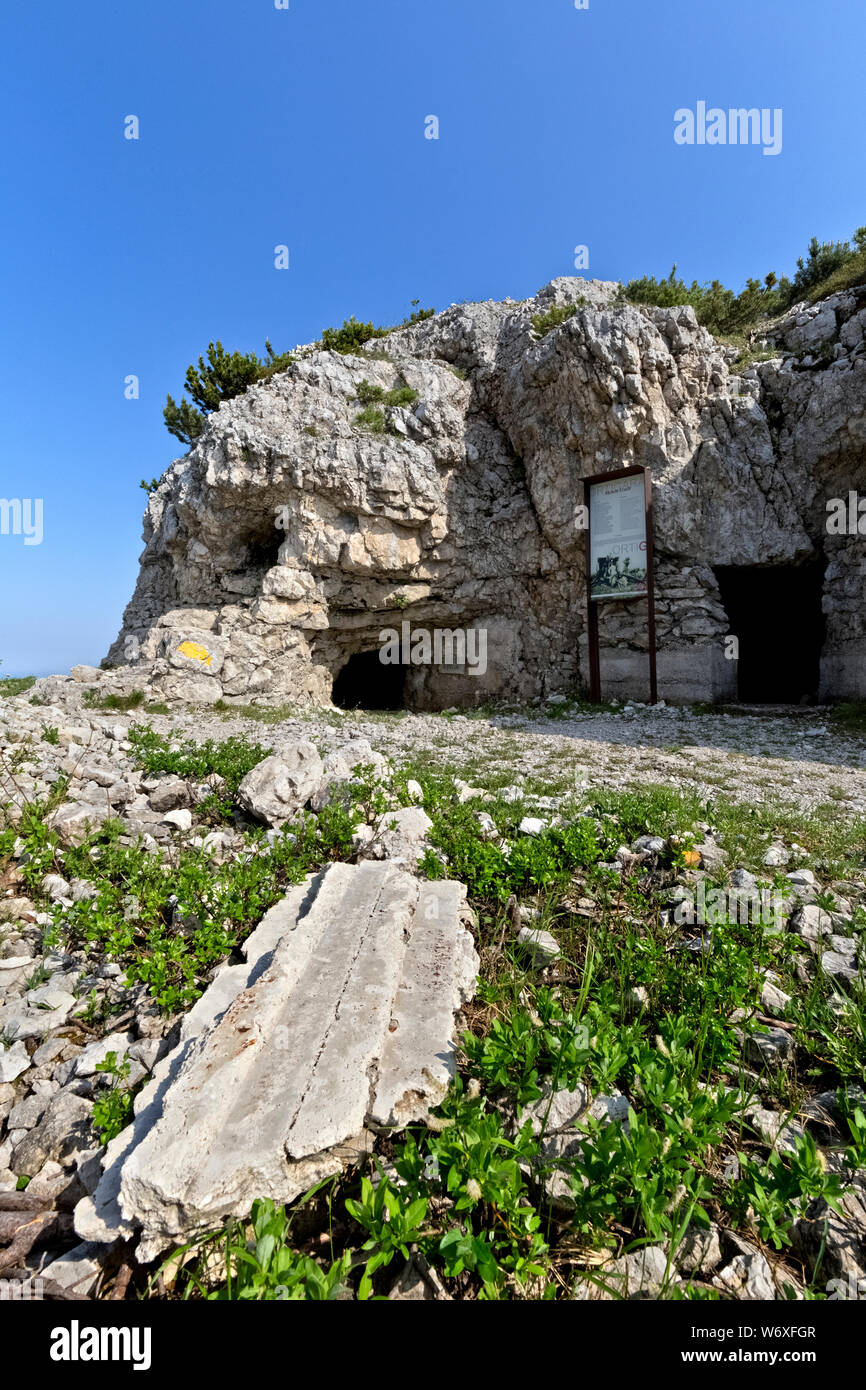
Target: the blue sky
(305, 127)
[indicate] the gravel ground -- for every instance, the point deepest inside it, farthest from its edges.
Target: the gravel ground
(790, 755)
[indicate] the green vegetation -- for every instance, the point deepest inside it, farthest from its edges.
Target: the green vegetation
(376, 401)
(15, 685)
(828, 267)
(229, 761)
(543, 323)
(851, 716)
(371, 418)
(220, 378)
(353, 334)
(369, 394)
(112, 1110)
(91, 699)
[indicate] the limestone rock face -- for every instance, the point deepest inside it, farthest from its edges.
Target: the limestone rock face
(292, 537)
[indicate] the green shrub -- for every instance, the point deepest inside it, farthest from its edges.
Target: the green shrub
(828, 267)
(371, 418)
(230, 760)
(718, 309)
(367, 393)
(401, 395)
(560, 313)
(265, 1269)
(113, 1109)
(223, 376)
(351, 336)
(354, 334)
(823, 260)
(91, 699)
(493, 873)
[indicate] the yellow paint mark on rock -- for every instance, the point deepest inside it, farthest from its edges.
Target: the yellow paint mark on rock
(196, 652)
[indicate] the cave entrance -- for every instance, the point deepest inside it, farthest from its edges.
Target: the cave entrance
(367, 683)
(776, 613)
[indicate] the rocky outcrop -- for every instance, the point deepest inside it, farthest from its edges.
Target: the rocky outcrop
(292, 536)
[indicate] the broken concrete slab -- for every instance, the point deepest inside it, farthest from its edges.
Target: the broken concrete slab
(342, 1020)
(438, 976)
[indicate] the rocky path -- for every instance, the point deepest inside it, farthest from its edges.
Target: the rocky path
(792, 756)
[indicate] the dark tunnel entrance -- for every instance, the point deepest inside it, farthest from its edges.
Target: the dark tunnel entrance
(776, 613)
(367, 683)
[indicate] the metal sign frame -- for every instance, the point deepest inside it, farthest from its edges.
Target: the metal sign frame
(592, 604)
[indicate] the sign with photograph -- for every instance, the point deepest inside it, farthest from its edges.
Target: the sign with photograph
(617, 538)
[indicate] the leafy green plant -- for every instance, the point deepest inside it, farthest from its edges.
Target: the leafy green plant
(230, 760)
(771, 1195)
(490, 872)
(15, 685)
(352, 336)
(525, 1045)
(855, 1153)
(390, 1225)
(401, 396)
(495, 1229)
(829, 266)
(171, 915)
(263, 1267)
(112, 1109)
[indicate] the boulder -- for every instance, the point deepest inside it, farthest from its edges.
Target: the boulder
(282, 784)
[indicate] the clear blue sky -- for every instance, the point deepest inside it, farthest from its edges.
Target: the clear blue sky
(305, 126)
